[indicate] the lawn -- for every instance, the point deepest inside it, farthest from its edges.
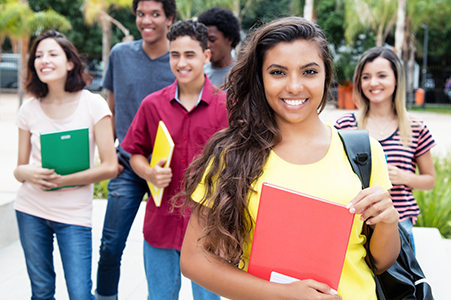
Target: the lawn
(433, 108)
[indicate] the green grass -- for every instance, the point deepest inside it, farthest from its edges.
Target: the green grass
(433, 108)
(435, 205)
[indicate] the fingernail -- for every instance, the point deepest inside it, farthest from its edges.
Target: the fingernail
(352, 210)
(348, 205)
(333, 292)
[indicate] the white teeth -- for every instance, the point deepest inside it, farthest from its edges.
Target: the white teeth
(294, 102)
(147, 29)
(376, 91)
(46, 70)
(183, 72)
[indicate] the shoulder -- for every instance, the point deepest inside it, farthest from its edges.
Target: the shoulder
(29, 105)
(94, 101)
(159, 97)
(126, 47)
(346, 121)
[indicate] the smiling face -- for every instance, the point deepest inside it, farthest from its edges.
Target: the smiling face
(187, 59)
(294, 78)
(378, 81)
(51, 62)
(151, 21)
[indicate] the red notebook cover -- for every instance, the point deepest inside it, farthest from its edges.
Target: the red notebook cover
(300, 236)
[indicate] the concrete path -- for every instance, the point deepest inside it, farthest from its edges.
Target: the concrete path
(14, 283)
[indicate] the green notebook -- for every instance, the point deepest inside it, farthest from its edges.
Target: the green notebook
(65, 151)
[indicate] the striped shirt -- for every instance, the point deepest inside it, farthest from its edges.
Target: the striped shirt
(401, 157)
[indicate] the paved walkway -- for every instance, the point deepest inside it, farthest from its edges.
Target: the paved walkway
(14, 283)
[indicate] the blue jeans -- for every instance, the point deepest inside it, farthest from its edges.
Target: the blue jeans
(75, 244)
(164, 278)
(408, 226)
(125, 195)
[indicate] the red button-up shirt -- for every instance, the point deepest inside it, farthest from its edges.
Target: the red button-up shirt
(190, 130)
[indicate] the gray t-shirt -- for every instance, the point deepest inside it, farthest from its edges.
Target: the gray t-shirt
(131, 75)
(217, 76)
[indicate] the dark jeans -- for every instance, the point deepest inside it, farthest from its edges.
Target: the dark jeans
(125, 195)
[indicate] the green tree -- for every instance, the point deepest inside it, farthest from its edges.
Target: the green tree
(20, 22)
(96, 11)
(379, 15)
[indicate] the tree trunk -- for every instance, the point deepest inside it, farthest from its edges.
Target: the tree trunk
(24, 43)
(106, 42)
(308, 10)
(408, 58)
(400, 24)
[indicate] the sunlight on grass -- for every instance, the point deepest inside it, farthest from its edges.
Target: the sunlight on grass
(435, 205)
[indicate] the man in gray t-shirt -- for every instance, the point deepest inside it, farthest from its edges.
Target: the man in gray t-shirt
(223, 36)
(135, 70)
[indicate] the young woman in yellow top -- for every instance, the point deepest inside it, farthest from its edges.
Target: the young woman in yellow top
(275, 93)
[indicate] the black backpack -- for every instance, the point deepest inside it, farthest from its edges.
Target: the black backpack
(405, 279)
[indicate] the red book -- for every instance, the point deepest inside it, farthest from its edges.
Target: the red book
(299, 236)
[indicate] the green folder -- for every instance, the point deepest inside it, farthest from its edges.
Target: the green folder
(66, 152)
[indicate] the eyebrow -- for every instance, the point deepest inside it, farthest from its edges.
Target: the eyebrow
(185, 52)
(285, 68)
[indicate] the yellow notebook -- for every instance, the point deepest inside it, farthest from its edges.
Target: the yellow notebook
(162, 148)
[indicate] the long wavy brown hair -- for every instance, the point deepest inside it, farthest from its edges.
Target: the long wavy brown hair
(234, 158)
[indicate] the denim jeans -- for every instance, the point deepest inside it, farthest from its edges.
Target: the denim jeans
(125, 195)
(75, 244)
(408, 226)
(164, 278)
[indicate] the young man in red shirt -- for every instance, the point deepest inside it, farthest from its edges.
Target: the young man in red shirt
(192, 110)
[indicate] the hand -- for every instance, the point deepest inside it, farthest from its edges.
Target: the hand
(396, 175)
(311, 289)
(39, 176)
(160, 176)
(120, 168)
(375, 206)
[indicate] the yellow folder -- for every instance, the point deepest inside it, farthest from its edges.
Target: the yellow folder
(162, 148)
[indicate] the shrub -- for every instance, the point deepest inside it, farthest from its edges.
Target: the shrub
(101, 189)
(435, 205)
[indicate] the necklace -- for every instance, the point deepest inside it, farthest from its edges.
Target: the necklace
(382, 131)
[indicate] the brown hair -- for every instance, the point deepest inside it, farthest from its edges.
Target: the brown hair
(234, 158)
(399, 95)
(74, 81)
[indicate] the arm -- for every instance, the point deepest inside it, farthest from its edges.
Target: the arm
(159, 176)
(103, 135)
(423, 181)
(376, 207)
(31, 173)
(222, 278)
(111, 105)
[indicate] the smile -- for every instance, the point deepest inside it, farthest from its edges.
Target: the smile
(148, 29)
(294, 102)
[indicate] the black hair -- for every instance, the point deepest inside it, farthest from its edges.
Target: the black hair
(169, 7)
(225, 21)
(197, 31)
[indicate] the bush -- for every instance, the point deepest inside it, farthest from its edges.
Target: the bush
(435, 205)
(101, 189)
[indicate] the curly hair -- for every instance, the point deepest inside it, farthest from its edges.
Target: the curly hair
(225, 21)
(197, 31)
(169, 7)
(234, 158)
(399, 95)
(75, 77)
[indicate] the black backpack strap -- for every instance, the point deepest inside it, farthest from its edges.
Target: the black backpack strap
(357, 147)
